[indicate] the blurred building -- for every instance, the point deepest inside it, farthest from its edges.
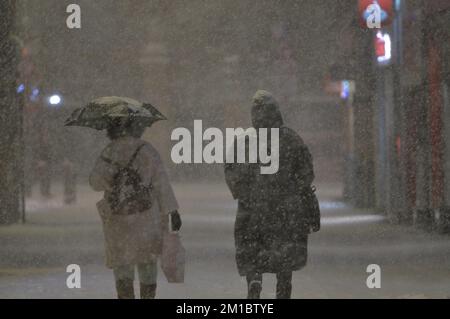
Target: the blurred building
(198, 60)
(11, 143)
(402, 79)
(427, 129)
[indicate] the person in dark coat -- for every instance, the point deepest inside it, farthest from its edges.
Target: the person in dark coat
(272, 221)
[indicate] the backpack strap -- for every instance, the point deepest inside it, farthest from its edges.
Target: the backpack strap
(130, 162)
(133, 157)
(107, 160)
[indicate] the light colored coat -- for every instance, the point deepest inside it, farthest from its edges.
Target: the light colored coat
(135, 238)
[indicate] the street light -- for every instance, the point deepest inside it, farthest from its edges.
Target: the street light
(20, 88)
(55, 100)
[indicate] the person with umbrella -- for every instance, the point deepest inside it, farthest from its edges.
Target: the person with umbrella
(138, 197)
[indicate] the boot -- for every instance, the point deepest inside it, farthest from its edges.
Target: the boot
(284, 285)
(284, 290)
(254, 290)
(125, 289)
(148, 291)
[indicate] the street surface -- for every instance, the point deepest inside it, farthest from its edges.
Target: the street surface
(34, 256)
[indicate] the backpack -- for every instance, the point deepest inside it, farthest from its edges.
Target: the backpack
(128, 195)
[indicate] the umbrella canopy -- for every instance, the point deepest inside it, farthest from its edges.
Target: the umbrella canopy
(103, 112)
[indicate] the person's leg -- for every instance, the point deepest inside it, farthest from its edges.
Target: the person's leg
(124, 276)
(284, 285)
(147, 278)
(45, 180)
(254, 284)
(69, 182)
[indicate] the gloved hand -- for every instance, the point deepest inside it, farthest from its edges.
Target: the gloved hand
(315, 228)
(175, 220)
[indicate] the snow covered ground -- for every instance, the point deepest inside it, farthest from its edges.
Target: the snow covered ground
(34, 256)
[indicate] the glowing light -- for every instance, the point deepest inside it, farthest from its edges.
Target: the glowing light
(352, 219)
(20, 88)
(345, 89)
(383, 14)
(34, 94)
(55, 99)
(383, 47)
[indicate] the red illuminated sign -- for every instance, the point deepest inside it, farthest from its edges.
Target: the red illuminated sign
(365, 12)
(383, 47)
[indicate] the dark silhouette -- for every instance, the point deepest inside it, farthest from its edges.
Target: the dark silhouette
(275, 212)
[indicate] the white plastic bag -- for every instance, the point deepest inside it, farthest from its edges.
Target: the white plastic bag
(173, 258)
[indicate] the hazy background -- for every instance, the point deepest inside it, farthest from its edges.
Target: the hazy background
(193, 60)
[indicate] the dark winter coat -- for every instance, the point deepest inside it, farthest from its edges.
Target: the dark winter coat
(272, 225)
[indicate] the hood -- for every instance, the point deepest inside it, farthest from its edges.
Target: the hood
(265, 111)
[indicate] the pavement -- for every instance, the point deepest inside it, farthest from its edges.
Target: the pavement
(34, 255)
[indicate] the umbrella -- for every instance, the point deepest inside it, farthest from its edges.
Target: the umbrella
(103, 112)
